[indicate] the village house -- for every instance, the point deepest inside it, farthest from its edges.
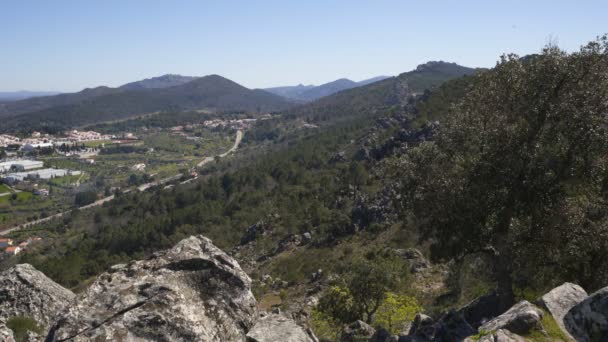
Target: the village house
(5, 243)
(13, 250)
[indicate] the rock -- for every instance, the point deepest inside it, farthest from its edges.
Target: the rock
(383, 335)
(191, 292)
(316, 275)
(24, 291)
(6, 334)
(415, 258)
(452, 327)
(274, 328)
(481, 310)
(521, 318)
(306, 238)
(588, 320)
(560, 300)
(254, 231)
(357, 331)
(422, 327)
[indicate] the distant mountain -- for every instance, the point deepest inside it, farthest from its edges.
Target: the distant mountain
(210, 92)
(393, 92)
(165, 81)
(291, 92)
(372, 80)
(308, 93)
(24, 94)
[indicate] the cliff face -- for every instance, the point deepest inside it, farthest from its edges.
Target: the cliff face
(191, 292)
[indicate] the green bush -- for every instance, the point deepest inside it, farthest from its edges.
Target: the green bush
(20, 325)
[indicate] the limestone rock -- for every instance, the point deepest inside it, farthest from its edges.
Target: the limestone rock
(520, 319)
(357, 331)
(274, 328)
(192, 292)
(6, 334)
(588, 320)
(561, 299)
(501, 335)
(422, 327)
(24, 291)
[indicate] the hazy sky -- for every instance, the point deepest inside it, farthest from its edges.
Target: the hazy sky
(69, 45)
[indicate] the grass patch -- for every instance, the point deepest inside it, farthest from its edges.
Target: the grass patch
(20, 325)
(4, 189)
(554, 332)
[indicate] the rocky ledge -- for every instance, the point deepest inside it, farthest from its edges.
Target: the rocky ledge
(191, 292)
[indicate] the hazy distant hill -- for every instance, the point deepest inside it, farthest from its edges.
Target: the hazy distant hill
(310, 92)
(211, 92)
(23, 94)
(165, 81)
(386, 93)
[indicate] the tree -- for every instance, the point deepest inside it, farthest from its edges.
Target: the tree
(396, 311)
(363, 290)
(529, 135)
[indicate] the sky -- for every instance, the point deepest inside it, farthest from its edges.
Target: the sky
(63, 45)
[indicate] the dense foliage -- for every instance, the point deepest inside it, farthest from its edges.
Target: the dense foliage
(518, 170)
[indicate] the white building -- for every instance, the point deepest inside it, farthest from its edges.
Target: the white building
(20, 165)
(46, 174)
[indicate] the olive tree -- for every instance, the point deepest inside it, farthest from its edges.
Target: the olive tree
(528, 136)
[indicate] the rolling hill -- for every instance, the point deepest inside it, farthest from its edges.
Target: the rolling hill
(210, 92)
(307, 93)
(384, 94)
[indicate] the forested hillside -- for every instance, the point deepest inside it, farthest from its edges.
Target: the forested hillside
(105, 104)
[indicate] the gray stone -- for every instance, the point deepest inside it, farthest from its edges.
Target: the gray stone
(422, 327)
(191, 292)
(6, 334)
(588, 320)
(560, 300)
(521, 318)
(356, 331)
(24, 291)
(275, 328)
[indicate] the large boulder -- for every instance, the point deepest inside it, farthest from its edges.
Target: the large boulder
(588, 320)
(26, 292)
(275, 327)
(520, 319)
(452, 327)
(560, 300)
(357, 331)
(191, 292)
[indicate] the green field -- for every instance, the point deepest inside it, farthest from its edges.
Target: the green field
(4, 189)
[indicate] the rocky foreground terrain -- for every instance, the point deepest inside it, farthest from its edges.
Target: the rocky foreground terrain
(196, 292)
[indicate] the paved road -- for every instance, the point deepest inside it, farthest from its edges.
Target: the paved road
(143, 187)
(237, 141)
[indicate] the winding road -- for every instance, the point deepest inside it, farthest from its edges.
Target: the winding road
(143, 187)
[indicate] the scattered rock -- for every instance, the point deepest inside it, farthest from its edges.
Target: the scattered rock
(316, 275)
(383, 335)
(560, 300)
(588, 320)
(415, 258)
(274, 328)
(192, 292)
(521, 318)
(357, 331)
(306, 238)
(254, 231)
(24, 291)
(500, 335)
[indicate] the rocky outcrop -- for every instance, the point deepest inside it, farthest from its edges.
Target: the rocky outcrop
(520, 319)
(24, 291)
(357, 331)
(276, 327)
(500, 335)
(6, 334)
(560, 300)
(588, 320)
(192, 292)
